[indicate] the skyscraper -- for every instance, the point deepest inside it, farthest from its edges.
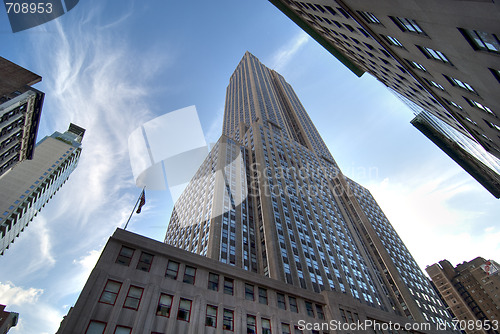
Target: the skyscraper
(20, 110)
(441, 58)
(26, 189)
(471, 291)
(271, 199)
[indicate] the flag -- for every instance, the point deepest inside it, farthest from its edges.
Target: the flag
(142, 202)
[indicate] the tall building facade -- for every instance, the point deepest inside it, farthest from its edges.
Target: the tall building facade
(26, 189)
(271, 200)
(471, 290)
(20, 110)
(446, 67)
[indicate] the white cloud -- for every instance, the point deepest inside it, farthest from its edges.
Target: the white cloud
(14, 295)
(431, 227)
(281, 58)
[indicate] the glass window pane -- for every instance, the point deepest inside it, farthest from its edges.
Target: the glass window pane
(122, 330)
(95, 327)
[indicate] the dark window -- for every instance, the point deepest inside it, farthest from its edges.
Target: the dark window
(480, 40)
(496, 73)
(249, 294)
(309, 309)
(213, 282)
(369, 17)
(228, 320)
(460, 83)
(133, 297)
(416, 65)
(407, 25)
(296, 330)
(266, 326)
(228, 286)
(434, 84)
(346, 14)
(285, 328)
(95, 327)
(172, 270)
(319, 312)
(281, 301)
(184, 311)
(262, 296)
(479, 106)
(110, 292)
(293, 304)
(251, 325)
(394, 41)
(189, 275)
(433, 54)
(211, 316)
(145, 262)
(122, 330)
(164, 305)
(331, 10)
(125, 256)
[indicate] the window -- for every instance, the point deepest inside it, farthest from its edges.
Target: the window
(145, 262)
(251, 325)
(211, 316)
(331, 10)
(281, 301)
(95, 327)
(433, 54)
(133, 297)
(479, 106)
(172, 270)
(213, 281)
(461, 84)
(451, 103)
(293, 304)
(122, 330)
(480, 40)
(285, 328)
(319, 312)
(110, 292)
(416, 65)
(296, 330)
(262, 296)
(266, 326)
(249, 294)
(184, 311)
(309, 309)
(228, 286)
(492, 125)
(496, 73)
(228, 320)
(369, 17)
(125, 256)
(407, 25)
(189, 275)
(434, 84)
(164, 305)
(394, 41)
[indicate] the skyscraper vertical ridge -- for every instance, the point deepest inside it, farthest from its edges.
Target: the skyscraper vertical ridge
(271, 199)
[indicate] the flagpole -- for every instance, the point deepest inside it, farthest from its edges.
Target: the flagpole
(134, 208)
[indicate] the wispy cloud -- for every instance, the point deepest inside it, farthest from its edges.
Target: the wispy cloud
(280, 59)
(15, 295)
(93, 78)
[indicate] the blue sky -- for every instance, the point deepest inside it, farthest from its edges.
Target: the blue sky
(110, 66)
